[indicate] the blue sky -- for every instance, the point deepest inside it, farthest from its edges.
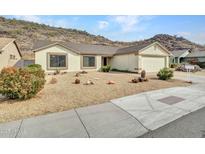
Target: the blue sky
(128, 28)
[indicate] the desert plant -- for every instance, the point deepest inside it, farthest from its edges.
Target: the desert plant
(134, 80)
(165, 74)
(36, 70)
(20, 83)
(174, 65)
(105, 68)
(117, 70)
(143, 74)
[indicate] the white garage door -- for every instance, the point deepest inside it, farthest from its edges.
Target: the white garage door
(153, 64)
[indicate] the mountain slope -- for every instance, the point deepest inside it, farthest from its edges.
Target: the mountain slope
(27, 32)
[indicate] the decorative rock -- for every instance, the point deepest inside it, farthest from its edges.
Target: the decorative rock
(77, 74)
(111, 82)
(77, 81)
(89, 82)
(134, 80)
(83, 72)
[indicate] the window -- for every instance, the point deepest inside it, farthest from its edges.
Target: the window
(88, 61)
(12, 56)
(57, 61)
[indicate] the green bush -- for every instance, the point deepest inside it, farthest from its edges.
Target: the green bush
(174, 65)
(105, 68)
(36, 70)
(201, 64)
(165, 74)
(117, 70)
(22, 83)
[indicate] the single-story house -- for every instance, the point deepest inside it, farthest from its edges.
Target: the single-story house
(178, 56)
(9, 52)
(198, 56)
(69, 56)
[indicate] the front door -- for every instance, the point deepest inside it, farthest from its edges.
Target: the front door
(104, 61)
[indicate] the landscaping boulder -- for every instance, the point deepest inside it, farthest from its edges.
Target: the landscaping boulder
(77, 81)
(134, 80)
(77, 74)
(110, 82)
(89, 82)
(83, 72)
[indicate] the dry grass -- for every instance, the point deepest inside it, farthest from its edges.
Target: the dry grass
(66, 95)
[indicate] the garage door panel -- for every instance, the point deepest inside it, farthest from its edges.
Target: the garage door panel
(153, 64)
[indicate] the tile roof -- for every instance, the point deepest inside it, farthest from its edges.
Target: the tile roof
(81, 48)
(78, 47)
(196, 54)
(5, 41)
(132, 49)
(178, 53)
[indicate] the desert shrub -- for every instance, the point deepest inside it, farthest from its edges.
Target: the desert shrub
(143, 74)
(36, 70)
(20, 83)
(117, 70)
(165, 74)
(105, 68)
(201, 64)
(174, 65)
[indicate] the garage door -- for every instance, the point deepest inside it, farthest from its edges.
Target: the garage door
(153, 64)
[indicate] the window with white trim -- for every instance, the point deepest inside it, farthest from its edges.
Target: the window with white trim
(89, 61)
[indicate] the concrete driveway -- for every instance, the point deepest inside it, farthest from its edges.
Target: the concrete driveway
(131, 116)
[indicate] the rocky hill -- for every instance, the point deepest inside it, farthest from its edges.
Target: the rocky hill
(27, 32)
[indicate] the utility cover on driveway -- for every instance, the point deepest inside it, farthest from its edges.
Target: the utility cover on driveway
(171, 100)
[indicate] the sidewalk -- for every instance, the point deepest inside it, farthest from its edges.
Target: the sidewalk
(130, 116)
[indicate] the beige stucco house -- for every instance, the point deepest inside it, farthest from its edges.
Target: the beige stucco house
(69, 56)
(150, 57)
(9, 52)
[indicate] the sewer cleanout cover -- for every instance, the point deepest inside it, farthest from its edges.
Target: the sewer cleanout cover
(170, 100)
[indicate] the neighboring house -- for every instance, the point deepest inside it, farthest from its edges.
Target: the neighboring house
(198, 56)
(75, 57)
(178, 56)
(9, 52)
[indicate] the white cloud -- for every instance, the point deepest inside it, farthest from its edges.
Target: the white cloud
(31, 18)
(64, 22)
(195, 37)
(184, 34)
(199, 38)
(103, 24)
(127, 23)
(130, 23)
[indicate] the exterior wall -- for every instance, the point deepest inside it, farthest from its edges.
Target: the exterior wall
(154, 50)
(125, 62)
(200, 59)
(134, 63)
(5, 60)
(73, 59)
